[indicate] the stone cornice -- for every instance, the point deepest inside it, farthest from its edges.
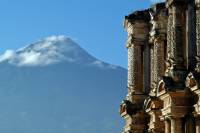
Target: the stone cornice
(175, 2)
(138, 16)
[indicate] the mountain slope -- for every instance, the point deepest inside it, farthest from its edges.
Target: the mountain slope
(54, 86)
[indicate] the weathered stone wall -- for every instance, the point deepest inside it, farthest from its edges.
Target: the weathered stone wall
(163, 69)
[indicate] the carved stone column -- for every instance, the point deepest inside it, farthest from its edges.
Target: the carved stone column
(177, 41)
(157, 40)
(135, 65)
(159, 56)
(178, 34)
(198, 34)
(137, 26)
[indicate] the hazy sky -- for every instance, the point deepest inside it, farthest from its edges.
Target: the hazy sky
(97, 25)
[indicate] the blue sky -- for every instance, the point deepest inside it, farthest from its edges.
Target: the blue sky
(96, 25)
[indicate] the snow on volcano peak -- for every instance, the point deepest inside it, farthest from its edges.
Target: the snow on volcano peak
(51, 50)
(48, 51)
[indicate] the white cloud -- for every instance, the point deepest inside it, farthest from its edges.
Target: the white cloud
(9, 54)
(39, 58)
(29, 58)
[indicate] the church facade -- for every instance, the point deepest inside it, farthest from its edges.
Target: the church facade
(163, 69)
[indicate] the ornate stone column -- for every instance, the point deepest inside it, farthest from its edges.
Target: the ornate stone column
(177, 42)
(137, 26)
(158, 40)
(177, 99)
(135, 65)
(198, 34)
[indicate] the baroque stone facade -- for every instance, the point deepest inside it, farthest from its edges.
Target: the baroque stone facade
(163, 69)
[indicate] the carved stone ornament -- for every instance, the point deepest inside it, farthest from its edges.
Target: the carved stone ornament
(128, 108)
(190, 81)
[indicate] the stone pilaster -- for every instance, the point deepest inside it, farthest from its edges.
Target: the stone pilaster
(158, 41)
(137, 26)
(176, 42)
(135, 65)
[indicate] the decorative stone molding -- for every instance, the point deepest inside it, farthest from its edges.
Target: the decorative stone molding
(177, 105)
(153, 107)
(136, 123)
(128, 108)
(136, 119)
(193, 82)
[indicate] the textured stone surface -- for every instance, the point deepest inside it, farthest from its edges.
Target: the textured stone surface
(163, 69)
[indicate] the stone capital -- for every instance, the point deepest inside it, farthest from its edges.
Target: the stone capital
(138, 33)
(127, 108)
(178, 103)
(137, 26)
(138, 16)
(152, 103)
